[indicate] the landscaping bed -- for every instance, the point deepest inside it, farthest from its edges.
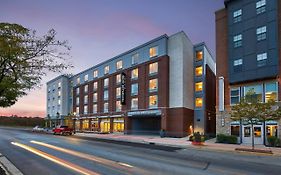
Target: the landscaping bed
(254, 150)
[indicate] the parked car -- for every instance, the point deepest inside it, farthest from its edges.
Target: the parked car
(37, 129)
(48, 130)
(63, 130)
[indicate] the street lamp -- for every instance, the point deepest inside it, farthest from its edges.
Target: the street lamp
(58, 116)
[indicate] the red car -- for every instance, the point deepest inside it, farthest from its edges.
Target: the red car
(63, 130)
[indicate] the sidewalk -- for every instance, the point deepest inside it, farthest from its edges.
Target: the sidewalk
(177, 142)
(7, 168)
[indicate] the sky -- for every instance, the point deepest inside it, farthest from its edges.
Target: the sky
(98, 30)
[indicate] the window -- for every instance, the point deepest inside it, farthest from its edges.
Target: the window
(198, 86)
(134, 103)
(234, 96)
(235, 130)
(95, 97)
(118, 92)
(153, 85)
(260, 6)
(134, 89)
(95, 86)
(105, 95)
(85, 109)
(247, 131)
(135, 58)
(86, 99)
(237, 16)
(86, 77)
(261, 33)
(237, 40)
(199, 55)
(261, 59)
(198, 102)
(95, 108)
(59, 93)
(199, 71)
(153, 51)
(86, 87)
(254, 92)
(77, 111)
(119, 64)
(237, 65)
(95, 74)
(59, 101)
(153, 101)
(59, 85)
(106, 69)
(105, 107)
(153, 68)
(77, 91)
(271, 90)
(118, 106)
(118, 79)
(77, 101)
(257, 131)
(135, 73)
(78, 80)
(105, 82)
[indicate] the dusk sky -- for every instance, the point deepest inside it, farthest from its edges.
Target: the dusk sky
(100, 29)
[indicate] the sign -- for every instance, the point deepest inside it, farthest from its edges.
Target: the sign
(221, 94)
(123, 88)
(148, 113)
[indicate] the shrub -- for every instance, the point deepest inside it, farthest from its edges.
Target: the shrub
(273, 141)
(221, 138)
(197, 137)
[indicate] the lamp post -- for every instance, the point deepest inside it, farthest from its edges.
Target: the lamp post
(58, 116)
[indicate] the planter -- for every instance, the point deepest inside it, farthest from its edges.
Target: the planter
(197, 143)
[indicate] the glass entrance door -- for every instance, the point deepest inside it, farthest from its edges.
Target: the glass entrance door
(247, 134)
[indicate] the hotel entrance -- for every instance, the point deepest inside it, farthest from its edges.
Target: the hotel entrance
(95, 124)
(118, 124)
(85, 125)
(247, 134)
(105, 125)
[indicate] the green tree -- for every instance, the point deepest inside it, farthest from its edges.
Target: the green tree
(25, 57)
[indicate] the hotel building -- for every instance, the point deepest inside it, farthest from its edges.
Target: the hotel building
(165, 84)
(248, 55)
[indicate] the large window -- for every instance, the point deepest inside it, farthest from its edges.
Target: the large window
(95, 86)
(153, 51)
(235, 130)
(86, 99)
(95, 97)
(254, 92)
(261, 59)
(105, 107)
(271, 90)
(77, 101)
(105, 82)
(199, 71)
(95, 74)
(105, 95)
(135, 73)
(153, 85)
(78, 80)
(198, 102)
(153, 68)
(118, 106)
(85, 109)
(134, 104)
(119, 64)
(86, 88)
(134, 89)
(260, 6)
(135, 58)
(237, 65)
(199, 55)
(199, 86)
(106, 69)
(86, 77)
(153, 101)
(261, 33)
(77, 91)
(234, 96)
(118, 92)
(77, 110)
(237, 40)
(118, 78)
(95, 108)
(237, 16)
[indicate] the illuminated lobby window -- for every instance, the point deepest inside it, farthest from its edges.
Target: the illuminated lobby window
(198, 102)
(199, 55)
(198, 71)
(198, 86)
(271, 91)
(153, 51)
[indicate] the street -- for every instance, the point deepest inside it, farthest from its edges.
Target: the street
(45, 154)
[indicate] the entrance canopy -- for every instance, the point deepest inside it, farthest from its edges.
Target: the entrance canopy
(147, 113)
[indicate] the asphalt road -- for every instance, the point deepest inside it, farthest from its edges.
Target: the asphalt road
(43, 154)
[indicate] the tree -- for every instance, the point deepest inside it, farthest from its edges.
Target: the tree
(25, 58)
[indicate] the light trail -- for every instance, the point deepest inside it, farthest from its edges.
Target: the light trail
(56, 159)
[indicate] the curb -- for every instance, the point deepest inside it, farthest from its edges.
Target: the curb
(8, 166)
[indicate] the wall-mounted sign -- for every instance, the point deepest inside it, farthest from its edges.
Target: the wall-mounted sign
(148, 113)
(123, 88)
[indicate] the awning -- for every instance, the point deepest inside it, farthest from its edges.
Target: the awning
(147, 113)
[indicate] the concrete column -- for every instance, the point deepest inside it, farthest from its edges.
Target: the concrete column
(90, 124)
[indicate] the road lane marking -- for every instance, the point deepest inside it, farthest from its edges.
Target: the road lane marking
(56, 159)
(125, 164)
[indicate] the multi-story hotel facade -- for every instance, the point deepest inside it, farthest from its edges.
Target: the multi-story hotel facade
(248, 55)
(165, 84)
